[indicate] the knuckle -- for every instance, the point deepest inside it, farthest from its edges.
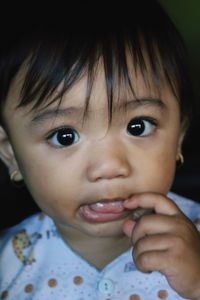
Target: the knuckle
(178, 245)
(142, 223)
(176, 241)
(143, 262)
(137, 248)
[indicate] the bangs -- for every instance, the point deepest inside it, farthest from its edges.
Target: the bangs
(53, 68)
(57, 57)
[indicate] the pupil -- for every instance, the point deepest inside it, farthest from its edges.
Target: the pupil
(136, 128)
(65, 137)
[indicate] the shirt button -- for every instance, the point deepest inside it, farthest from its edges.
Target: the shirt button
(105, 286)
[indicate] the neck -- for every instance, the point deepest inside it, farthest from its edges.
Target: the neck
(98, 251)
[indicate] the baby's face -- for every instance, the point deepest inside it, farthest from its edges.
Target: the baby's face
(80, 172)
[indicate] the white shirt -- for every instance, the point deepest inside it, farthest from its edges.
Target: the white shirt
(36, 264)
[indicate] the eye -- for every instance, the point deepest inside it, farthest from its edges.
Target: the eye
(64, 137)
(141, 126)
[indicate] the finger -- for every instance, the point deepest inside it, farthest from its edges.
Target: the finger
(152, 261)
(152, 225)
(128, 227)
(158, 242)
(160, 203)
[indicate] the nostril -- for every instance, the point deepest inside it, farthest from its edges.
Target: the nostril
(108, 171)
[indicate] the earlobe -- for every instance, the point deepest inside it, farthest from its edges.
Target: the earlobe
(183, 130)
(7, 154)
(180, 142)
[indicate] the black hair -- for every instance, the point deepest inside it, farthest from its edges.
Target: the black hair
(62, 50)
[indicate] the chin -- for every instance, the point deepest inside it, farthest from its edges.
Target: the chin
(107, 229)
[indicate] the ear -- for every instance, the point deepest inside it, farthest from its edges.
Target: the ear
(183, 130)
(7, 155)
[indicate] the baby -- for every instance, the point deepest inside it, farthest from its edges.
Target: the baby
(93, 117)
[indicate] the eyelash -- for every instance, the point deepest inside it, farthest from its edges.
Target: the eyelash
(68, 132)
(69, 136)
(142, 120)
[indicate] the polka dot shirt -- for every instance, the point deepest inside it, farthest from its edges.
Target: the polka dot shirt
(35, 264)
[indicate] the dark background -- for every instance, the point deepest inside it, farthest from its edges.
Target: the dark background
(186, 16)
(16, 203)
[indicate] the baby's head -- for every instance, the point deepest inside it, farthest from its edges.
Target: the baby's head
(97, 111)
(53, 54)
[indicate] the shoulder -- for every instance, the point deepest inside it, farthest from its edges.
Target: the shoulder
(21, 238)
(190, 207)
(27, 251)
(33, 223)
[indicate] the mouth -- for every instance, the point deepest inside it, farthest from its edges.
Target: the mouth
(105, 210)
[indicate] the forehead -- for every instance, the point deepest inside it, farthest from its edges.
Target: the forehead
(95, 91)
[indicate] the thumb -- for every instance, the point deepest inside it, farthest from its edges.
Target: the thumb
(128, 227)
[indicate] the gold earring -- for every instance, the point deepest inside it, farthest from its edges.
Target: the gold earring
(13, 175)
(180, 160)
(16, 183)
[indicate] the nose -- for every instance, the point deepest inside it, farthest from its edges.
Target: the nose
(108, 160)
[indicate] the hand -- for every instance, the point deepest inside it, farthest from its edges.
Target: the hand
(166, 241)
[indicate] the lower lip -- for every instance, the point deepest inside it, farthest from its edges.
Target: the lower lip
(99, 217)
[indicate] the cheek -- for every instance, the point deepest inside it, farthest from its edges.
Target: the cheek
(166, 172)
(160, 169)
(53, 184)
(55, 197)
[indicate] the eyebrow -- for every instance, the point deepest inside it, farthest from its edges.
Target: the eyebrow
(50, 113)
(72, 111)
(140, 102)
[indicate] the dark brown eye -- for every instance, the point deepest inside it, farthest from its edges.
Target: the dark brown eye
(140, 127)
(64, 137)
